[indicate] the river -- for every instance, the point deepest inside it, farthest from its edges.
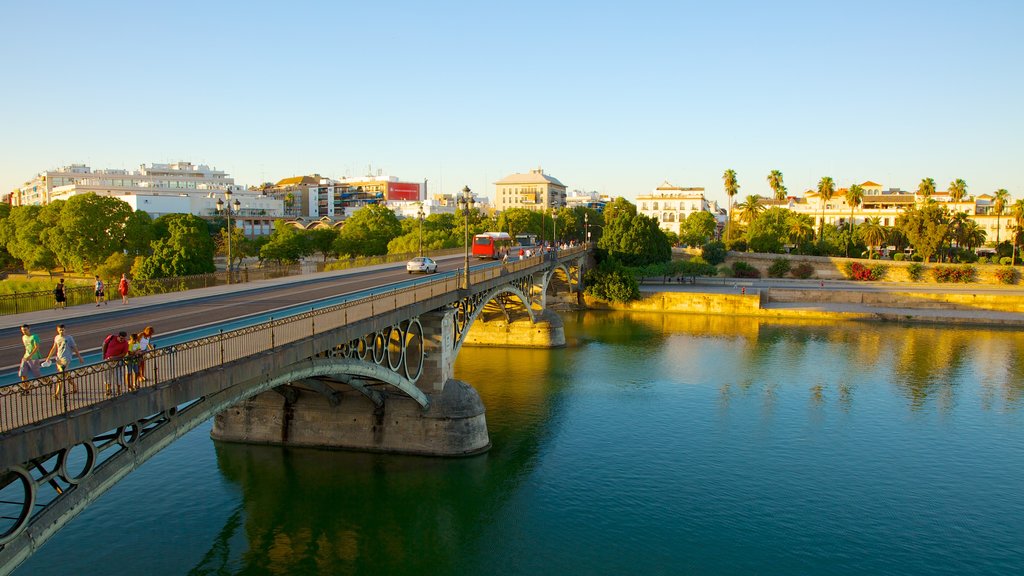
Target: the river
(651, 444)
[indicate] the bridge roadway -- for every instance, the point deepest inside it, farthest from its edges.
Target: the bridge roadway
(174, 314)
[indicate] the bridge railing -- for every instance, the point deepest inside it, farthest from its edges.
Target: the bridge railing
(52, 395)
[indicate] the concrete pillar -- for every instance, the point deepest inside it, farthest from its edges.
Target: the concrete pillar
(547, 332)
(454, 424)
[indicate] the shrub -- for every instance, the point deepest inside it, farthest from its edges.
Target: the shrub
(741, 269)
(961, 274)
(803, 270)
(899, 256)
(713, 253)
(611, 281)
(737, 245)
(1005, 260)
(917, 258)
(966, 257)
(915, 271)
(858, 271)
(1008, 275)
(779, 268)
(982, 260)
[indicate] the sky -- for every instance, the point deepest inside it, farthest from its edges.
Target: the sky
(615, 97)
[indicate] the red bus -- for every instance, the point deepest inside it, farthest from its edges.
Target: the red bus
(491, 245)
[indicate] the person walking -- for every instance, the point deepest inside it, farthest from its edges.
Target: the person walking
(131, 361)
(30, 361)
(122, 287)
(98, 287)
(60, 299)
(63, 347)
(116, 348)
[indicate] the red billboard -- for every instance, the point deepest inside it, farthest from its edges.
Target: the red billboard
(403, 191)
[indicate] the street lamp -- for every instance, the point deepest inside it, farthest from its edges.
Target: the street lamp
(586, 225)
(226, 208)
(465, 203)
(419, 214)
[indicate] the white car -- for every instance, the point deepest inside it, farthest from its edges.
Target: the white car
(421, 264)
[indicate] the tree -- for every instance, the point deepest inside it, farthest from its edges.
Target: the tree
(321, 241)
(618, 206)
(6, 235)
(800, 228)
(826, 188)
(751, 208)
(635, 240)
(775, 181)
(872, 233)
(697, 228)
(926, 227)
(286, 244)
(368, 231)
(1017, 211)
(238, 242)
(732, 188)
(926, 188)
(769, 231)
(519, 221)
(187, 249)
(973, 235)
(90, 228)
(854, 196)
(957, 190)
(25, 243)
(998, 205)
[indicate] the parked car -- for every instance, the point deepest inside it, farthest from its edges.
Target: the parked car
(421, 264)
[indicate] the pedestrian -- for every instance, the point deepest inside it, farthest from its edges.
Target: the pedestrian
(60, 299)
(30, 361)
(63, 347)
(131, 361)
(98, 288)
(145, 345)
(122, 287)
(521, 253)
(116, 348)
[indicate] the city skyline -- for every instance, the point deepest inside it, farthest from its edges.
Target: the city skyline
(615, 99)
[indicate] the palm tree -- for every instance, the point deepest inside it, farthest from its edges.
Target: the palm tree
(957, 190)
(775, 181)
(926, 188)
(957, 229)
(1017, 211)
(800, 228)
(974, 235)
(751, 208)
(854, 196)
(873, 233)
(732, 188)
(826, 188)
(999, 205)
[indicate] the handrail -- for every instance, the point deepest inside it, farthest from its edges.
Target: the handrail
(93, 382)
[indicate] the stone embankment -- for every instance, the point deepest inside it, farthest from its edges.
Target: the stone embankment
(831, 300)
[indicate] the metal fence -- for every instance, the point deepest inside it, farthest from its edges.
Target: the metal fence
(18, 302)
(60, 393)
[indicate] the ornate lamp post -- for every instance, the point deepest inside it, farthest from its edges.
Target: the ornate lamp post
(419, 214)
(465, 203)
(226, 208)
(586, 225)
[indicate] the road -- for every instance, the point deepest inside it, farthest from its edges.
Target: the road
(193, 310)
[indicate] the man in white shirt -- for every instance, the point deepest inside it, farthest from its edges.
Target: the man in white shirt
(64, 346)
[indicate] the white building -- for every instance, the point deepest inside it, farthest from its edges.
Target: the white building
(157, 189)
(670, 205)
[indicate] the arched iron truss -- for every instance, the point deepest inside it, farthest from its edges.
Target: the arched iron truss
(468, 309)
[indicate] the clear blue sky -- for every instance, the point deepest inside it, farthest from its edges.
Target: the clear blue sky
(615, 97)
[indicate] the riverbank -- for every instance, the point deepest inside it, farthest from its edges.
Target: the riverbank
(831, 301)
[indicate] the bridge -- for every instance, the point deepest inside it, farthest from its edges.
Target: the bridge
(372, 373)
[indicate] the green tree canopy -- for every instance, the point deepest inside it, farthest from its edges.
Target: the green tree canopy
(769, 231)
(25, 242)
(90, 228)
(368, 231)
(286, 244)
(187, 249)
(697, 229)
(635, 240)
(926, 227)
